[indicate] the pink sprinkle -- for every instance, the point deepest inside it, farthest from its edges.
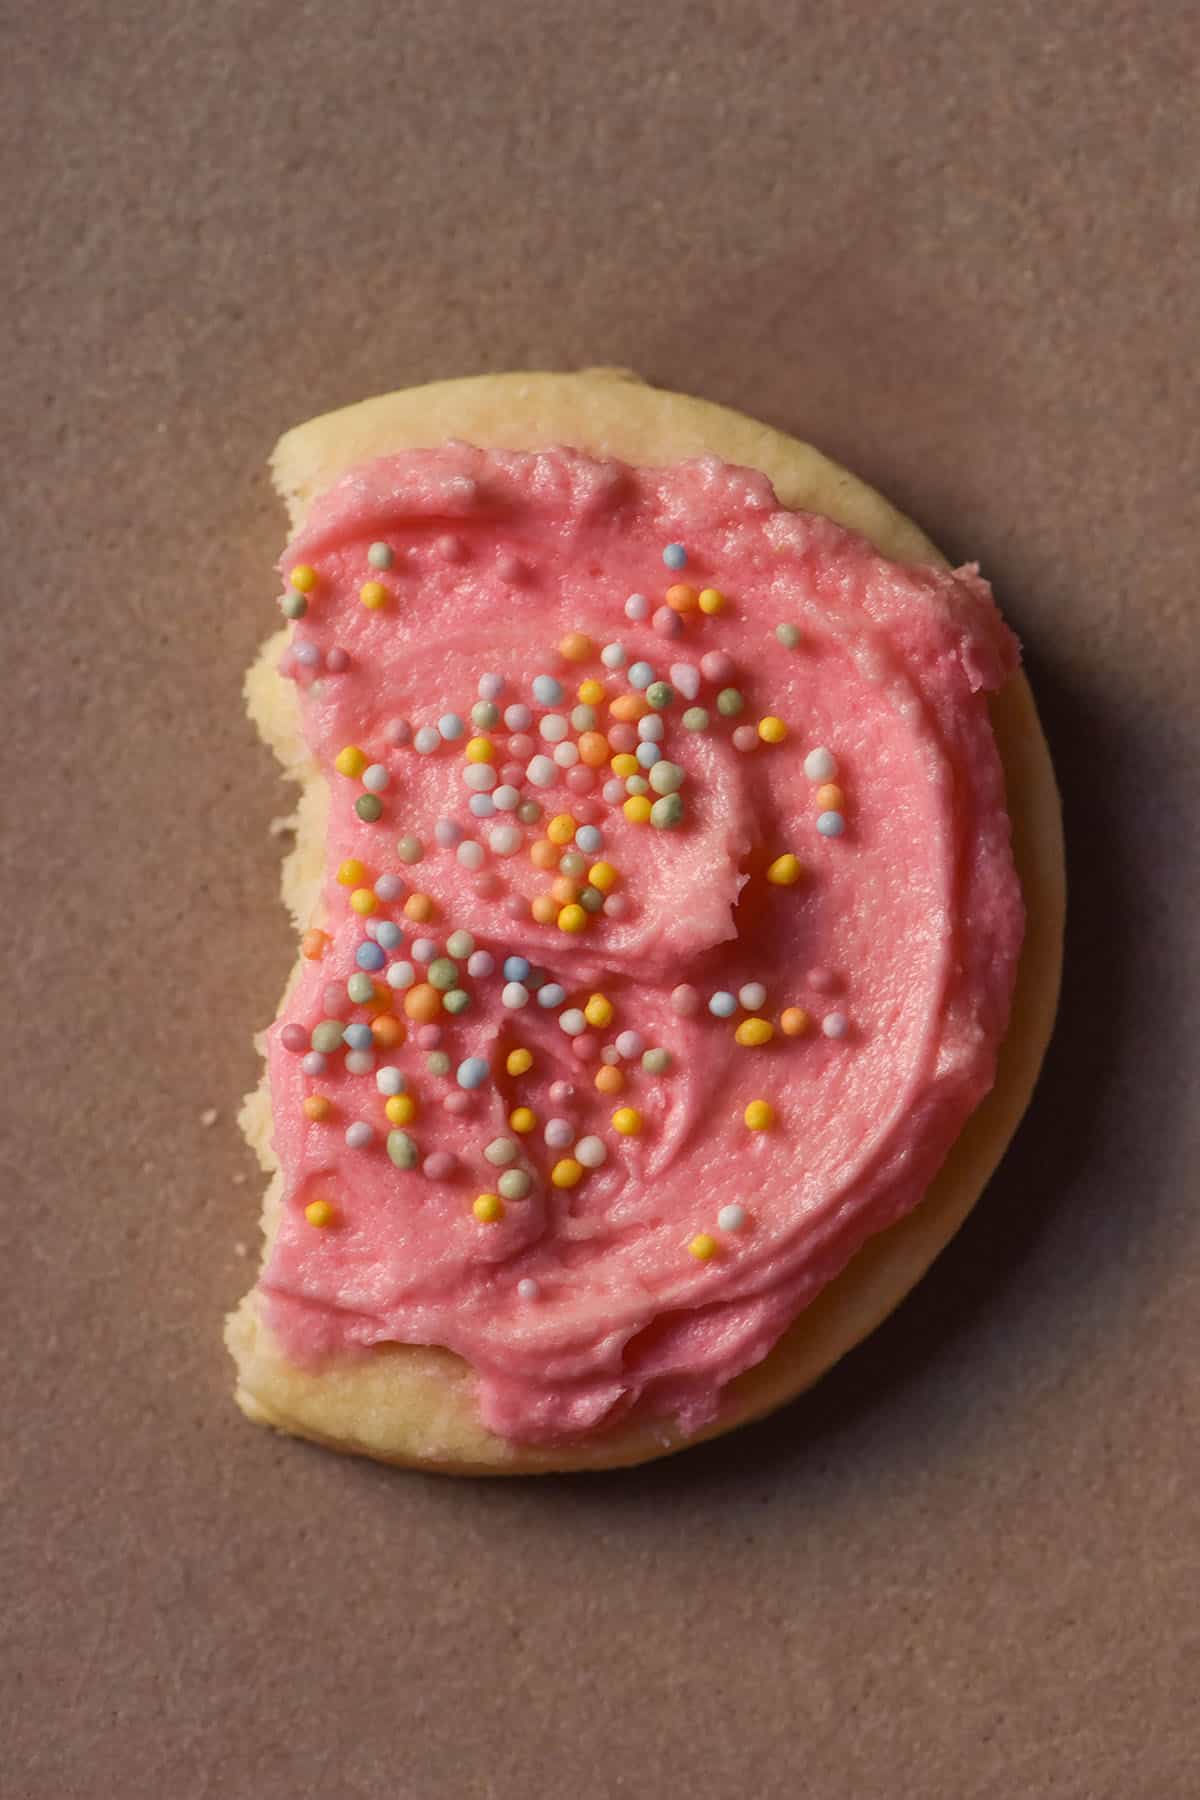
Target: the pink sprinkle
(440, 1166)
(338, 660)
(516, 907)
(588, 812)
(509, 567)
(685, 1000)
(388, 887)
(398, 731)
(447, 832)
(457, 1101)
(581, 779)
(716, 666)
(622, 737)
(745, 738)
(521, 748)
(512, 774)
(428, 1037)
(822, 981)
(584, 1046)
(616, 906)
(294, 1039)
(287, 665)
(685, 679)
(667, 622)
(335, 1002)
(487, 884)
(451, 549)
(561, 1092)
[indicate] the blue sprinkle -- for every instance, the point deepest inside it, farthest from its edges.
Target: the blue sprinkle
(648, 753)
(590, 839)
(722, 1005)
(389, 935)
(640, 675)
(831, 824)
(482, 805)
(473, 1072)
(546, 690)
(516, 968)
(358, 1037)
(450, 726)
(552, 994)
(675, 556)
(369, 956)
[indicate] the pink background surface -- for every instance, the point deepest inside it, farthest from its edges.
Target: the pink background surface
(957, 249)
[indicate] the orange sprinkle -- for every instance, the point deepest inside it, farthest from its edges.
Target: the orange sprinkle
(388, 1031)
(544, 909)
(594, 749)
(420, 908)
(564, 890)
(681, 598)
(381, 1000)
(543, 854)
(609, 1079)
(317, 1106)
(830, 798)
(629, 708)
(793, 1021)
(576, 646)
(314, 944)
(423, 1003)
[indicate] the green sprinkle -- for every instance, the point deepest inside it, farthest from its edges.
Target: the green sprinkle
(360, 989)
(402, 1149)
(369, 807)
(656, 1062)
(380, 556)
(695, 719)
(457, 1000)
(666, 777)
(485, 714)
(500, 1152)
(729, 703)
(591, 899)
(460, 944)
(788, 635)
(529, 812)
(572, 863)
(514, 1184)
(667, 812)
(294, 604)
(636, 784)
(327, 1036)
(437, 1062)
(409, 848)
(583, 718)
(660, 695)
(442, 974)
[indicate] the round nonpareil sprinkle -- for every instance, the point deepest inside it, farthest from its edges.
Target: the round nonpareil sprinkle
(703, 1247)
(759, 1115)
(820, 764)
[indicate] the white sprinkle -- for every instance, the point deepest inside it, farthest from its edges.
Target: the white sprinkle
(820, 764)
(481, 778)
(504, 799)
(528, 1288)
(360, 1134)
(752, 995)
(517, 716)
(835, 1025)
(830, 824)
(629, 1044)
(613, 790)
(591, 1152)
(360, 1062)
(514, 995)
(610, 1054)
(401, 975)
(637, 607)
(506, 840)
(613, 656)
(731, 1218)
(558, 1133)
(541, 771)
(685, 679)
(573, 1021)
(566, 755)
(553, 728)
(470, 854)
(427, 739)
(651, 728)
(391, 1081)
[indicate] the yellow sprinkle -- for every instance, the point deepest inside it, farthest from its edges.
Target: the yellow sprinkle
(373, 595)
(785, 871)
(599, 1010)
(488, 1208)
(759, 1115)
(480, 749)
(401, 1109)
(363, 900)
(712, 600)
(793, 1021)
(624, 764)
(352, 873)
(566, 1173)
(753, 1032)
(637, 809)
(561, 828)
(772, 730)
(350, 761)
(591, 693)
(572, 918)
(575, 647)
(304, 578)
(317, 1106)
(602, 875)
(830, 798)
(522, 1118)
(703, 1247)
(627, 1120)
(519, 1062)
(319, 1213)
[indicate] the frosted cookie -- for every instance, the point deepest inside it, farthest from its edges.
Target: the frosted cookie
(666, 989)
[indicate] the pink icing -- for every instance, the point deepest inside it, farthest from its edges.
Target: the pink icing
(905, 929)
